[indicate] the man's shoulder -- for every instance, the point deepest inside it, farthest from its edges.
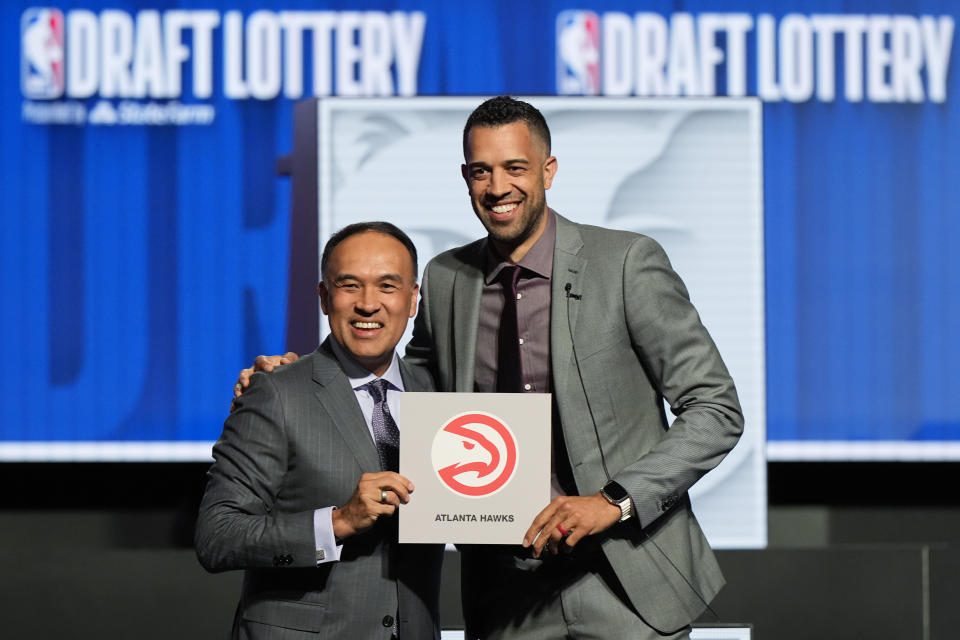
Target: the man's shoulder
(605, 241)
(299, 371)
(595, 233)
(453, 259)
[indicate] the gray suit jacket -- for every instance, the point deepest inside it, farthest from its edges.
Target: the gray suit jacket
(298, 441)
(637, 339)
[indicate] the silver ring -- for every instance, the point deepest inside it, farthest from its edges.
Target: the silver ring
(383, 496)
(238, 387)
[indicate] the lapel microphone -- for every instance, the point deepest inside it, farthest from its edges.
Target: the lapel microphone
(566, 288)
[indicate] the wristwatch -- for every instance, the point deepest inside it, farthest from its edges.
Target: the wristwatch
(618, 497)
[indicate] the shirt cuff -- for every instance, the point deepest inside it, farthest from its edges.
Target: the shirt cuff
(326, 543)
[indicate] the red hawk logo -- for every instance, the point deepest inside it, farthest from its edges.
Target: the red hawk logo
(474, 454)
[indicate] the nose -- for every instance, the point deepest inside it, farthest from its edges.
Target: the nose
(499, 183)
(367, 302)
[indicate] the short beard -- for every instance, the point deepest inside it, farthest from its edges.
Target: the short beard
(516, 239)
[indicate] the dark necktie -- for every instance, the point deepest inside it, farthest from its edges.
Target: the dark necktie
(385, 430)
(509, 364)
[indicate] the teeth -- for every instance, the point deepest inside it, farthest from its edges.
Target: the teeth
(367, 325)
(504, 208)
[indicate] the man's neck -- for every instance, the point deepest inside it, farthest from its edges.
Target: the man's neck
(516, 253)
(355, 369)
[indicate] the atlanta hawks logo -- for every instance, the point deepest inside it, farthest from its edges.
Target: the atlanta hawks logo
(474, 454)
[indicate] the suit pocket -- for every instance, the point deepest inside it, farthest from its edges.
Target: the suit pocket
(300, 616)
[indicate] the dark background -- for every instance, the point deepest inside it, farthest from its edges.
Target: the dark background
(856, 550)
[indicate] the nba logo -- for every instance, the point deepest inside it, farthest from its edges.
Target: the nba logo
(41, 53)
(578, 53)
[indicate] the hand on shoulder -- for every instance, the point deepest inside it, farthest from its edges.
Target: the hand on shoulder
(261, 363)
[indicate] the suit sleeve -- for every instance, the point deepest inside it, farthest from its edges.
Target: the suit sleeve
(683, 362)
(239, 526)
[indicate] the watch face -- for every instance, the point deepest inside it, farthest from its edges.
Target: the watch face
(615, 492)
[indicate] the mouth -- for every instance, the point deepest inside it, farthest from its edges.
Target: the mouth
(366, 326)
(503, 212)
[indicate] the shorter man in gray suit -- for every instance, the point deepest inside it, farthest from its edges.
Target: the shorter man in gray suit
(304, 484)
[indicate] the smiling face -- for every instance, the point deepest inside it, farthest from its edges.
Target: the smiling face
(507, 172)
(369, 293)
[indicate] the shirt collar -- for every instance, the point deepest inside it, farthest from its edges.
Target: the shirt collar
(539, 260)
(359, 376)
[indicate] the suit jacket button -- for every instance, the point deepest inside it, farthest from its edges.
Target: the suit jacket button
(387, 621)
(276, 561)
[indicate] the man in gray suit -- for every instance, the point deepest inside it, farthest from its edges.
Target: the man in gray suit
(599, 319)
(304, 482)
(605, 324)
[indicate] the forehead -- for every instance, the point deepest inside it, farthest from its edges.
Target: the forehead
(370, 252)
(512, 140)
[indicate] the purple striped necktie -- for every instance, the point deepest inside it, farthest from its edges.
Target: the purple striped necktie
(385, 431)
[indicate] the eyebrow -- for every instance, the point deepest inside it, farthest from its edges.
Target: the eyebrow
(505, 162)
(386, 276)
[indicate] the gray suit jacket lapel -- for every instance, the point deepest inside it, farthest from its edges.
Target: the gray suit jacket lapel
(568, 267)
(414, 381)
(467, 289)
(338, 400)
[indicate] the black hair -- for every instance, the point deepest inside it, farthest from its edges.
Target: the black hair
(503, 110)
(378, 226)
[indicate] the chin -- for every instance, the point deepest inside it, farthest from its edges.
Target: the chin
(363, 352)
(505, 236)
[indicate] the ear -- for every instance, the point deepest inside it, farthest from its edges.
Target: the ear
(549, 170)
(413, 300)
(324, 298)
(466, 175)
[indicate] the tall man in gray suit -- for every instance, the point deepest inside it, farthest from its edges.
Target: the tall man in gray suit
(604, 323)
(600, 319)
(304, 482)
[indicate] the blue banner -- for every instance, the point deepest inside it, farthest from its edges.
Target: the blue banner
(144, 253)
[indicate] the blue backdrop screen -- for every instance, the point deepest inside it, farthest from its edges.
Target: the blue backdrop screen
(145, 232)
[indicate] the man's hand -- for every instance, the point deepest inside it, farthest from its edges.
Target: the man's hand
(578, 516)
(365, 505)
(261, 363)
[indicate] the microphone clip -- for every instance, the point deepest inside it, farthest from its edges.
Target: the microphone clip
(566, 289)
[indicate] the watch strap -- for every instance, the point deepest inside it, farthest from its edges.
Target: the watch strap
(616, 495)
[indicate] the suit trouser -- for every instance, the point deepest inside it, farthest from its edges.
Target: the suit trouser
(508, 595)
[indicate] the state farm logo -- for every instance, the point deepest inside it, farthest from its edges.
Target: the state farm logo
(474, 454)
